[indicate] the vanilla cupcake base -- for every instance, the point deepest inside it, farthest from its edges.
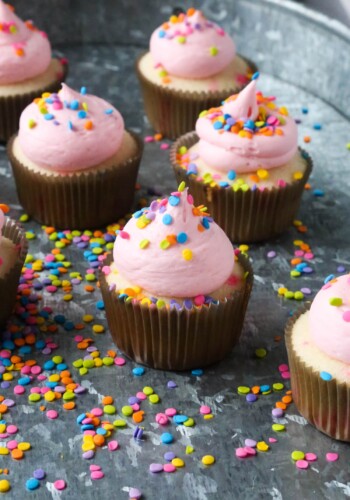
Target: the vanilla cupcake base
(249, 215)
(83, 199)
(177, 339)
(324, 403)
(172, 109)
(13, 249)
(16, 96)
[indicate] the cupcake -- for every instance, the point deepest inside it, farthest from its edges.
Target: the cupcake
(192, 65)
(243, 163)
(318, 345)
(27, 68)
(13, 251)
(175, 292)
(74, 164)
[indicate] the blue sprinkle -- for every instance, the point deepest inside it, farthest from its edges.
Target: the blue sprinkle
(24, 381)
(251, 398)
(74, 104)
(174, 200)
(59, 318)
(218, 125)
(167, 438)
(249, 124)
(49, 365)
(265, 388)
(205, 223)
(188, 304)
(167, 219)
(180, 419)
(25, 349)
(305, 110)
(161, 33)
(227, 127)
(224, 184)
(82, 114)
(181, 238)
(32, 484)
(318, 192)
(256, 75)
(330, 277)
(231, 175)
(326, 376)
(80, 418)
(138, 371)
(49, 116)
(198, 372)
(138, 214)
(108, 111)
(70, 125)
(83, 90)
(317, 126)
(61, 366)
(100, 305)
(68, 326)
(101, 431)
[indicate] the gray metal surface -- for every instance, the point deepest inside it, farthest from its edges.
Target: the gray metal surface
(107, 70)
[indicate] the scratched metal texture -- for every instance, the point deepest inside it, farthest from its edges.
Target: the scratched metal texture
(304, 61)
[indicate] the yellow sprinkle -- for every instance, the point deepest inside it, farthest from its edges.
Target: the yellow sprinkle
(181, 187)
(87, 318)
(262, 173)
(297, 176)
(208, 459)
(187, 254)
(98, 328)
(88, 446)
(4, 451)
(4, 486)
(243, 248)
(282, 290)
(24, 446)
(262, 446)
(177, 462)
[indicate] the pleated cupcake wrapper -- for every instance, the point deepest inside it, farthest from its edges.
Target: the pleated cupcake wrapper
(11, 107)
(174, 112)
(9, 282)
(88, 199)
(172, 339)
(326, 405)
(245, 216)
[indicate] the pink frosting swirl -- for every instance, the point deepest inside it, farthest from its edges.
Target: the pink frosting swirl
(189, 46)
(70, 131)
(25, 52)
(173, 249)
(246, 133)
(329, 319)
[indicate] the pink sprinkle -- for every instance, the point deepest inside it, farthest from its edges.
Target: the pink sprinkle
(302, 464)
(141, 395)
(52, 414)
(190, 199)
(19, 389)
(250, 451)
(149, 138)
(5, 354)
(113, 445)
(332, 457)
(272, 440)
(51, 289)
(170, 412)
(11, 429)
(241, 453)
(281, 183)
(205, 410)
(119, 361)
(57, 105)
(285, 375)
(97, 412)
(299, 253)
(199, 300)
(161, 419)
(106, 270)
(12, 445)
(311, 457)
(169, 468)
(41, 378)
(135, 407)
(309, 255)
(35, 370)
(164, 145)
(346, 316)
(94, 467)
(96, 475)
(78, 338)
(60, 484)
(327, 285)
(283, 368)
(124, 235)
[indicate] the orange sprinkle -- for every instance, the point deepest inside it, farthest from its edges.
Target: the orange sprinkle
(254, 178)
(42, 408)
(17, 454)
(281, 405)
(158, 137)
(287, 399)
(88, 125)
(3, 408)
(255, 389)
(89, 288)
(111, 354)
(191, 11)
(295, 261)
(15, 359)
(50, 230)
(138, 416)
(307, 186)
(82, 345)
(99, 440)
(5, 208)
(69, 406)
(107, 400)
(307, 138)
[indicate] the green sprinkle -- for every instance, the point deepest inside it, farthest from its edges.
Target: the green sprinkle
(153, 398)
(148, 390)
(183, 150)
(31, 123)
(261, 352)
(336, 301)
(278, 427)
(164, 244)
(119, 423)
(189, 422)
(278, 386)
(213, 51)
(24, 218)
(109, 409)
(78, 363)
(127, 411)
(34, 398)
(242, 389)
(144, 244)
(298, 295)
(298, 455)
(181, 39)
(295, 273)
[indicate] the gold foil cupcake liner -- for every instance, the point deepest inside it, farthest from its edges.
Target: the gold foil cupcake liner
(171, 339)
(11, 107)
(9, 282)
(245, 216)
(174, 112)
(86, 199)
(325, 404)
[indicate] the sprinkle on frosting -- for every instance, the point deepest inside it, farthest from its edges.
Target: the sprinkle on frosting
(190, 46)
(25, 51)
(73, 126)
(174, 249)
(330, 318)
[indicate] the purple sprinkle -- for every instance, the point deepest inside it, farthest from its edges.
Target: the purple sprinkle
(250, 443)
(135, 493)
(308, 270)
(306, 291)
(80, 390)
(75, 281)
(47, 350)
(340, 269)
(60, 389)
(133, 400)
(277, 412)
(39, 474)
(271, 254)
(5, 385)
(250, 398)
(82, 245)
(169, 456)
(156, 468)
(9, 402)
(171, 384)
(87, 455)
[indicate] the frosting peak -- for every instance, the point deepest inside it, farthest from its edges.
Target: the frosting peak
(329, 319)
(248, 132)
(190, 46)
(174, 249)
(70, 131)
(25, 52)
